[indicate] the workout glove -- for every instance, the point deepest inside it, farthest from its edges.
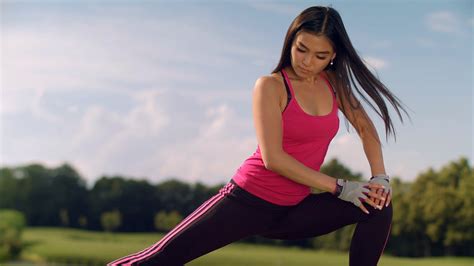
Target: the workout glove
(353, 191)
(383, 180)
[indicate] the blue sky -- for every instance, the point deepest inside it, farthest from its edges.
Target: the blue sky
(159, 89)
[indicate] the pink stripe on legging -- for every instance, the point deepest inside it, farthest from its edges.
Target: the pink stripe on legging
(222, 192)
(174, 232)
(386, 240)
(192, 217)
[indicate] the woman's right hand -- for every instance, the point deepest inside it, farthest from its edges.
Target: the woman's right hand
(358, 192)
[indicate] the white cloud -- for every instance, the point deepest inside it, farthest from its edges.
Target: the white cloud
(106, 138)
(39, 111)
(443, 21)
(376, 63)
(214, 153)
(91, 57)
(161, 127)
(157, 138)
(28, 100)
(111, 54)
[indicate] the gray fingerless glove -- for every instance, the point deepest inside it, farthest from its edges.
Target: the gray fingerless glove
(383, 180)
(352, 191)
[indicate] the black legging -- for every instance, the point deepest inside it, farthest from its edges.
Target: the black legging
(234, 214)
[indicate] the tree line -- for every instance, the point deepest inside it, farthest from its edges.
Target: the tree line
(433, 215)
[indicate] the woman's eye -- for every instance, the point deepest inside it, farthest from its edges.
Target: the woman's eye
(300, 50)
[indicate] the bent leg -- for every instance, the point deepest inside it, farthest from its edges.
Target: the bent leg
(217, 222)
(319, 214)
(370, 237)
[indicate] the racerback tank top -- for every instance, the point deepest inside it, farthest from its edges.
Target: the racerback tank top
(305, 137)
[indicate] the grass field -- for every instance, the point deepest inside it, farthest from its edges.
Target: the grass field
(68, 246)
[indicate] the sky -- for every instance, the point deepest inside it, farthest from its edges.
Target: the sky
(163, 89)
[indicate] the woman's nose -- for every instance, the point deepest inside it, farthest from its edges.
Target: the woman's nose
(307, 60)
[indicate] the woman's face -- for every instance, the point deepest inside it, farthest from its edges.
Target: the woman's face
(310, 54)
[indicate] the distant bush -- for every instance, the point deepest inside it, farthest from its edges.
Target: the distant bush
(12, 224)
(166, 221)
(111, 220)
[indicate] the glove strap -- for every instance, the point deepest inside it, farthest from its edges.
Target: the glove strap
(386, 177)
(339, 186)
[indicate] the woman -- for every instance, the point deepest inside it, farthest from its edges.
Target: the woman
(295, 117)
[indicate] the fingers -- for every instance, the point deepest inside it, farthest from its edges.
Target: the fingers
(372, 203)
(362, 207)
(373, 196)
(389, 199)
(377, 199)
(387, 196)
(377, 195)
(383, 195)
(359, 202)
(375, 185)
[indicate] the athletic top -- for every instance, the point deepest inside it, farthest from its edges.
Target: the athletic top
(305, 137)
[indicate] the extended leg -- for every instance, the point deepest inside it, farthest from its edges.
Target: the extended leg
(219, 221)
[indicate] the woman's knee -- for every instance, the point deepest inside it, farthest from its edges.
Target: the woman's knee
(385, 214)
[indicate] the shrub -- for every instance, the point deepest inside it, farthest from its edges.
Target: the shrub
(166, 221)
(111, 220)
(12, 223)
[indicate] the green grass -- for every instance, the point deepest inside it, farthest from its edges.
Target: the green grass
(69, 246)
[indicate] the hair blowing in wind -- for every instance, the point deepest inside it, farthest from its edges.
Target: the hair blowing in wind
(348, 73)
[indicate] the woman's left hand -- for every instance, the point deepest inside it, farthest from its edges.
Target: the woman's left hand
(386, 193)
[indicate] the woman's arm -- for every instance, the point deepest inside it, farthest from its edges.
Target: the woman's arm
(267, 121)
(363, 125)
(370, 141)
(373, 151)
(367, 133)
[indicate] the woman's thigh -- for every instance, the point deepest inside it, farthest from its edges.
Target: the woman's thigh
(317, 214)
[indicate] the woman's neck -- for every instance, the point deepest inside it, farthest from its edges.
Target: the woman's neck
(310, 80)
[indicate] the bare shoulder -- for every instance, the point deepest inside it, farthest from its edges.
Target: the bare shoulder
(270, 82)
(272, 87)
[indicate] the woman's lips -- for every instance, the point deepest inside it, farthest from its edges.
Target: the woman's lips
(304, 70)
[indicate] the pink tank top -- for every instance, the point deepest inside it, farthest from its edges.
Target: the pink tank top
(306, 138)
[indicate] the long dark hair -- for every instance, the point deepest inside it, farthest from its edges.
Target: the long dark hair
(347, 64)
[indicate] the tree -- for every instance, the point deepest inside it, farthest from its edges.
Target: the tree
(82, 221)
(165, 221)
(111, 220)
(12, 223)
(400, 241)
(8, 188)
(70, 194)
(175, 195)
(435, 216)
(135, 199)
(45, 196)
